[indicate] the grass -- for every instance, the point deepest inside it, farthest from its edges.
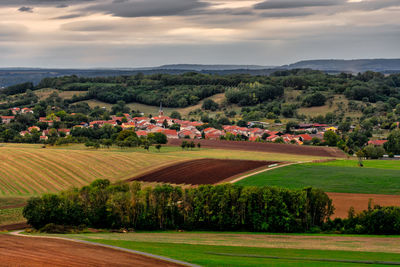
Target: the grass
(206, 255)
(10, 216)
(378, 177)
(229, 249)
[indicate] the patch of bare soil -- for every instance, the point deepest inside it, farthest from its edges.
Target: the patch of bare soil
(28, 251)
(343, 202)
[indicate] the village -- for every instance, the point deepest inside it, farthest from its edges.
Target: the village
(310, 133)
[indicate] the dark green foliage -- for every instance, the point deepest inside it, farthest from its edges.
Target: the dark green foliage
(393, 143)
(210, 104)
(313, 100)
(18, 88)
(222, 207)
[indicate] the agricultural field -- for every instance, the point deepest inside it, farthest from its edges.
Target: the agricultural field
(316, 151)
(377, 177)
(346, 184)
(201, 171)
(249, 249)
(52, 170)
(28, 251)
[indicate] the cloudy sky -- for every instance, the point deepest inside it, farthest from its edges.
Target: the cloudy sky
(136, 33)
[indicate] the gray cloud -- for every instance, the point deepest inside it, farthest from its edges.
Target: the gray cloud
(147, 8)
(57, 3)
(26, 9)
(70, 16)
(286, 14)
(284, 4)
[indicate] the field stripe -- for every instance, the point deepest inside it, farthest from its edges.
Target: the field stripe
(306, 259)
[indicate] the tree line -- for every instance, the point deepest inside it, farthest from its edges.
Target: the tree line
(221, 207)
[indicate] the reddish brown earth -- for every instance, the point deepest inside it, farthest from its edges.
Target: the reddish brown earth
(28, 251)
(201, 171)
(14, 226)
(343, 202)
(268, 147)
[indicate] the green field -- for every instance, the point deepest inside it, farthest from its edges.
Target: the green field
(229, 249)
(377, 177)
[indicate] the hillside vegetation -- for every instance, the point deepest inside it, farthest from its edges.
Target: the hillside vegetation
(283, 94)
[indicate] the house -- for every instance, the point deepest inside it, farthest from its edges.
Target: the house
(212, 133)
(171, 134)
(23, 133)
(15, 111)
(26, 110)
(44, 138)
(65, 131)
(128, 125)
(141, 133)
(304, 137)
(185, 133)
(30, 129)
(7, 119)
(377, 142)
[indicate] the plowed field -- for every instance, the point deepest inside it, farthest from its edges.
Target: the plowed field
(343, 202)
(202, 171)
(27, 251)
(268, 147)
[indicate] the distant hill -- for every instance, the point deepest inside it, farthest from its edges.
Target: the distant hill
(200, 67)
(10, 76)
(355, 66)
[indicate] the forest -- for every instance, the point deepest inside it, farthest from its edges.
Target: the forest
(188, 89)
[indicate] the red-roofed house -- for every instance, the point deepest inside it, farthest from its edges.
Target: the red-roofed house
(141, 133)
(171, 134)
(26, 110)
(30, 129)
(304, 137)
(7, 119)
(66, 131)
(377, 142)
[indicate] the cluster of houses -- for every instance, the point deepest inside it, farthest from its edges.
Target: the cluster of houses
(187, 129)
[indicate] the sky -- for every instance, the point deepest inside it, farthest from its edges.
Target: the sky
(141, 33)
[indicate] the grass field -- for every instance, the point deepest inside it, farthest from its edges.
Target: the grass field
(377, 177)
(230, 249)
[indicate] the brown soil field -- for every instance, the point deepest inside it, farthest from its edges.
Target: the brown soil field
(343, 202)
(14, 226)
(201, 171)
(28, 251)
(268, 147)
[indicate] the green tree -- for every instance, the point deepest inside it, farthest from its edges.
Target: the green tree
(331, 138)
(393, 143)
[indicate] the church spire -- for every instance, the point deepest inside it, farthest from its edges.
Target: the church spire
(160, 112)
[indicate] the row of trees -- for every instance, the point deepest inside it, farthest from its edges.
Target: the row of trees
(222, 207)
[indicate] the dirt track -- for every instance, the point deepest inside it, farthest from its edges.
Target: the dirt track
(343, 202)
(201, 171)
(27, 251)
(268, 147)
